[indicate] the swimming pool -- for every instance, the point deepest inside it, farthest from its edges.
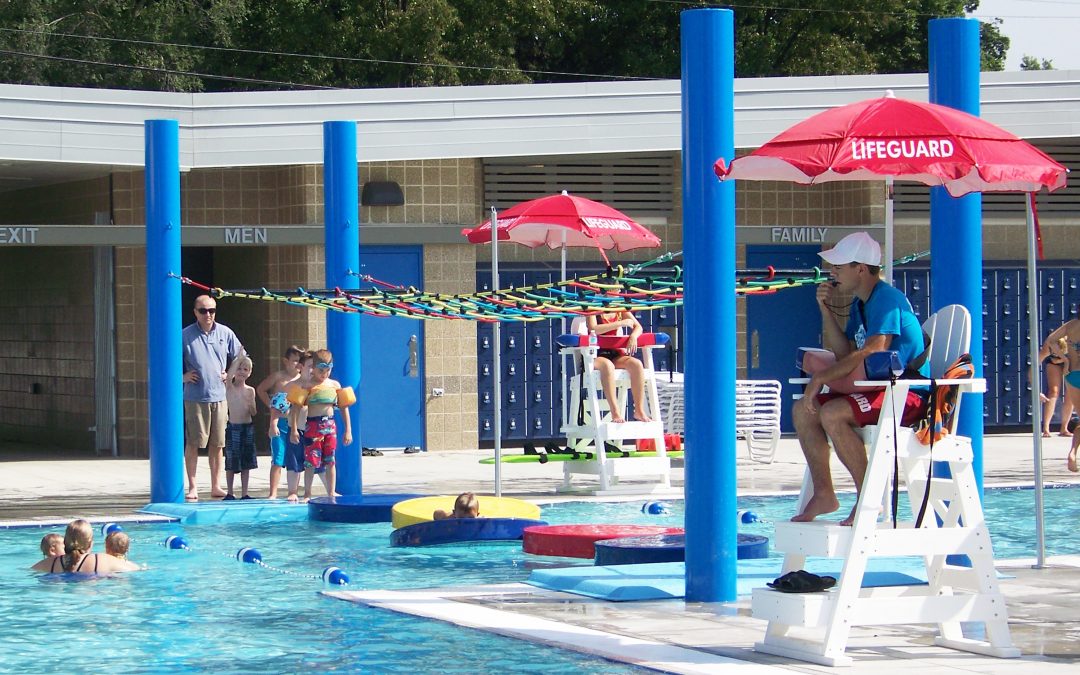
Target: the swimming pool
(201, 610)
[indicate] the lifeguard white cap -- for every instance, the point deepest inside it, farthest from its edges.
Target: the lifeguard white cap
(857, 247)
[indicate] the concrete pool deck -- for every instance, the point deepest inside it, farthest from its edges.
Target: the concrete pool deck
(668, 635)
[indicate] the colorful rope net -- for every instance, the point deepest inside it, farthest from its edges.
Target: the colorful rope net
(643, 287)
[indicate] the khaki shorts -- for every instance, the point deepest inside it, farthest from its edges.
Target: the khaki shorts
(204, 423)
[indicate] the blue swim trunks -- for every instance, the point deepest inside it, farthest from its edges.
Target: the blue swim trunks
(1072, 378)
(286, 454)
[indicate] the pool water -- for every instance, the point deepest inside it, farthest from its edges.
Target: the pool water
(201, 610)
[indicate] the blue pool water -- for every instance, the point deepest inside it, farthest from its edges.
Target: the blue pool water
(200, 610)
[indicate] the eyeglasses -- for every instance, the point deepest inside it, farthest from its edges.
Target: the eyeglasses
(325, 366)
(207, 310)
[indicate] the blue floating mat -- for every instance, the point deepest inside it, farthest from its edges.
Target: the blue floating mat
(659, 581)
(457, 530)
(667, 548)
(237, 511)
(373, 508)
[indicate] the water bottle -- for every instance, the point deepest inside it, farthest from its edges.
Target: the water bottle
(593, 341)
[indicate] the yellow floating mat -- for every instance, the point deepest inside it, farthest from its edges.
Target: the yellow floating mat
(419, 510)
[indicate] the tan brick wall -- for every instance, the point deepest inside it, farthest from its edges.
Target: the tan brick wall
(69, 204)
(47, 342)
(450, 352)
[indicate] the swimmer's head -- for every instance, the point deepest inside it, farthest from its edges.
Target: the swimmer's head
(78, 538)
(52, 544)
(466, 506)
(290, 360)
(117, 544)
(324, 363)
(243, 368)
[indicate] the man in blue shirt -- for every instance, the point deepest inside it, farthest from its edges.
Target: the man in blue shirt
(880, 319)
(209, 350)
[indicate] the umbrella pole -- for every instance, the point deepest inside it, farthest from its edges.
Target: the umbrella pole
(496, 343)
(1036, 386)
(562, 331)
(889, 230)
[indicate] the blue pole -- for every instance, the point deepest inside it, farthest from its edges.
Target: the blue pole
(163, 311)
(343, 257)
(708, 133)
(956, 249)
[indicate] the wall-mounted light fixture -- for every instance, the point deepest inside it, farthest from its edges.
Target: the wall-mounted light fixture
(382, 193)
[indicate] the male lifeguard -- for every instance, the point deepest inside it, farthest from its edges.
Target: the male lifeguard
(880, 318)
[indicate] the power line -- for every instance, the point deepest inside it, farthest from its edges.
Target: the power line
(167, 71)
(347, 59)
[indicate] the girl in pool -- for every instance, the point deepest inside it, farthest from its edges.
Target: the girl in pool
(1070, 332)
(77, 559)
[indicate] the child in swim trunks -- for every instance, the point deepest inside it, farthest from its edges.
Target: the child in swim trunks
(240, 432)
(320, 431)
(271, 391)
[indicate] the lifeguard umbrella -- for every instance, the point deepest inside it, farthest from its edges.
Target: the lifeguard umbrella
(890, 138)
(555, 221)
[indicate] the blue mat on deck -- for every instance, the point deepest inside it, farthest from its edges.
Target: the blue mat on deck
(658, 581)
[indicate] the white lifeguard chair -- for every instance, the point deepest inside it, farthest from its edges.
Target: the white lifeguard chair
(815, 627)
(589, 431)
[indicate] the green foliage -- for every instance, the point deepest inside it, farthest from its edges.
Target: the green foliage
(404, 43)
(1032, 63)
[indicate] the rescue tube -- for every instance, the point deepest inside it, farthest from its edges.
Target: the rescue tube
(457, 530)
(613, 341)
(578, 541)
(419, 510)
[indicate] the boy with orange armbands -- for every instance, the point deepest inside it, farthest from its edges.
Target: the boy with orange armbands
(320, 431)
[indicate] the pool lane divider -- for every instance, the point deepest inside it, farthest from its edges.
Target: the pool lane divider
(332, 575)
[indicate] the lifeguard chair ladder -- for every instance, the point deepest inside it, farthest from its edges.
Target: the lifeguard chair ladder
(815, 627)
(590, 431)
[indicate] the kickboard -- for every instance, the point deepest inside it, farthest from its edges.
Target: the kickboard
(560, 457)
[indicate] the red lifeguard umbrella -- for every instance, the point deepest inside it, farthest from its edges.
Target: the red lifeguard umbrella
(562, 220)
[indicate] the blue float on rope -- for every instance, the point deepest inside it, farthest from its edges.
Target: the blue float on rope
(109, 528)
(747, 517)
(249, 555)
(176, 542)
(655, 508)
(335, 576)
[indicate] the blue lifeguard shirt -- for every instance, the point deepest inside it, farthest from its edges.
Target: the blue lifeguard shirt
(888, 312)
(209, 354)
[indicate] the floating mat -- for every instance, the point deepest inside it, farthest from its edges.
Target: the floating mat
(565, 457)
(236, 511)
(659, 581)
(457, 530)
(412, 511)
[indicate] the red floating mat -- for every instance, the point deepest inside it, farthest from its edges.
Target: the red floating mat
(577, 541)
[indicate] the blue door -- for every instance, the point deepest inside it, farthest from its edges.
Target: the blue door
(778, 324)
(391, 356)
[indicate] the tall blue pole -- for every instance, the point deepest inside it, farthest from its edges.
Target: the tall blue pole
(708, 133)
(342, 257)
(163, 311)
(956, 249)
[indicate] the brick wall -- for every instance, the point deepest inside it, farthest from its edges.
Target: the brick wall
(47, 339)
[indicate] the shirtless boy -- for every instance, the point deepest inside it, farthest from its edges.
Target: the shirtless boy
(268, 391)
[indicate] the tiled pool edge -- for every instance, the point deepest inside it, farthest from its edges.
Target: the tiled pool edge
(445, 605)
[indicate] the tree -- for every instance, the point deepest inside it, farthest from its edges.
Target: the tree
(256, 44)
(1031, 63)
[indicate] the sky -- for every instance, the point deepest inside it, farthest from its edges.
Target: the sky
(1045, 29)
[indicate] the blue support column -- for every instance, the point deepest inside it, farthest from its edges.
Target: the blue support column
(708, 133)
(342, 257)
(163, 311)
(956, 250)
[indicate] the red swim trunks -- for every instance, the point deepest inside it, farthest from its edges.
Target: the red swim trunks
(320, 441)
(866, 406)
